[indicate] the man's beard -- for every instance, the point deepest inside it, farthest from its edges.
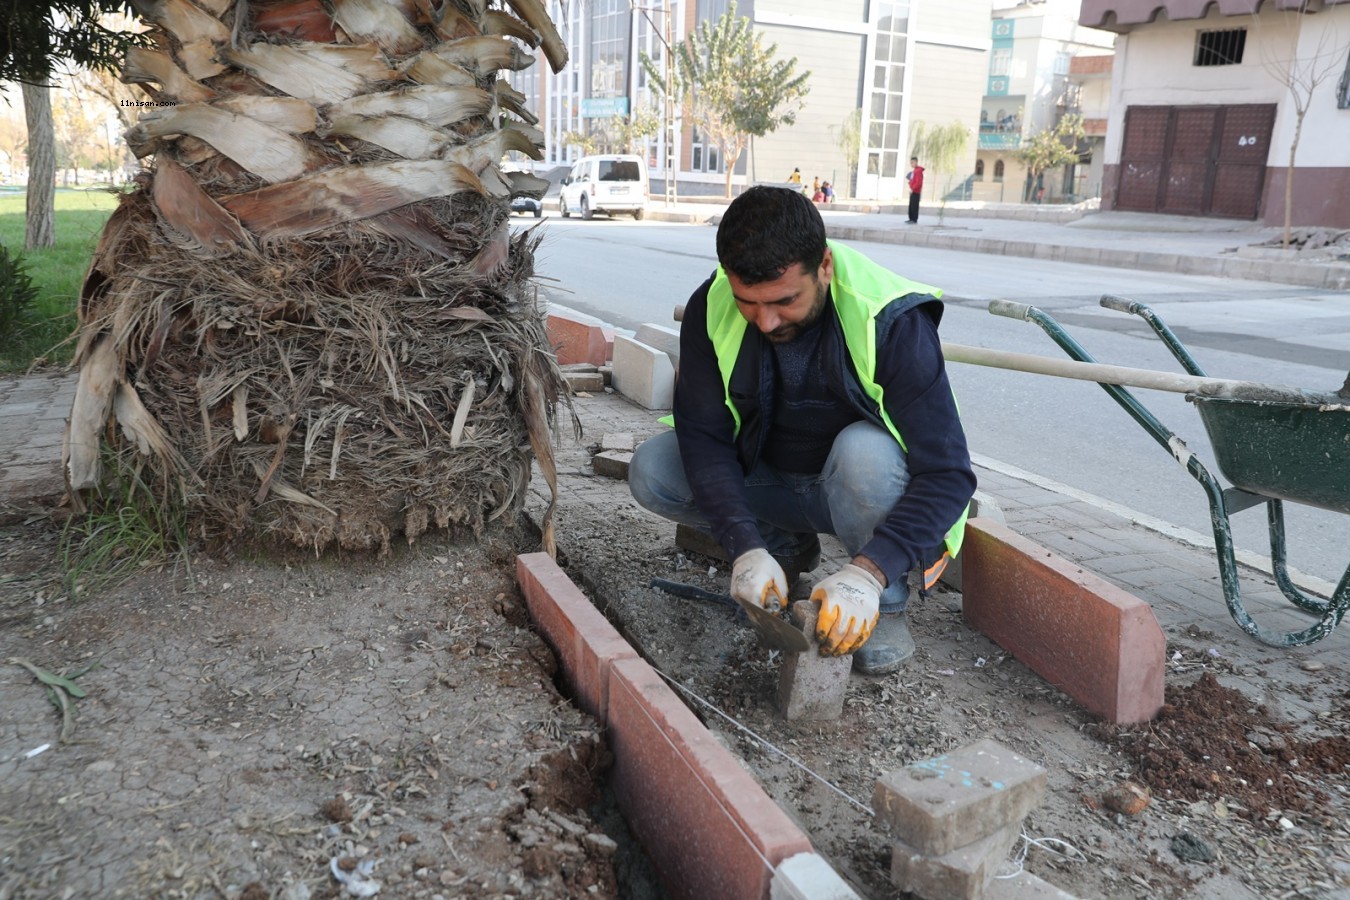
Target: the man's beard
(785, 334)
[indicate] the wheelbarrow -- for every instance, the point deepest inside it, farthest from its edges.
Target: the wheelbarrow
(1275, 444)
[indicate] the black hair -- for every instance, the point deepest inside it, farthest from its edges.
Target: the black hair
(766, 230)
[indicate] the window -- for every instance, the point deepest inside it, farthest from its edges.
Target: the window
(1000, 61)
(1220, 48)
(979, 170)
(998, 171)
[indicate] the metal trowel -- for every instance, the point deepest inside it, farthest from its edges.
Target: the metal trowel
(774, 632)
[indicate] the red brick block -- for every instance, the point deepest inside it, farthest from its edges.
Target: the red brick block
(586, 644)
(1097, 643)
(707, 825)
(577, 338)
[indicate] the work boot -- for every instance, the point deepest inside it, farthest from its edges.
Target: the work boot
(804, 558)
(888, 648)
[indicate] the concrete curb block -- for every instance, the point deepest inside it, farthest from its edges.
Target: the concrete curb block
(1099, 644)
(672, 777)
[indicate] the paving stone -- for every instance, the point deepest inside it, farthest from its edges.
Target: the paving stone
(807, 876)
(695, 540)
(811, 687)
(1099, 644)
(621, 441)
(643, 374)
(707, 825)
(939, 804)
(962, 874)
(584, 381)
(586, 644)
(611, 464)
(1025, 886)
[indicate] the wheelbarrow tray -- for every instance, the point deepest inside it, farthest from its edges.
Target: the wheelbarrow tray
(1290, 451)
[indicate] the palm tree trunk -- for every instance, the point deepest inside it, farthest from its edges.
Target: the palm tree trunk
(312, 319)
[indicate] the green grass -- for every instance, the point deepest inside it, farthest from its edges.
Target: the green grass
(56, 271)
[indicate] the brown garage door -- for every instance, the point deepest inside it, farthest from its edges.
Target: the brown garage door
(1195, 160)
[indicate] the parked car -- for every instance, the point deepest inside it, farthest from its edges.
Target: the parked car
(609, 184)
(527, 205)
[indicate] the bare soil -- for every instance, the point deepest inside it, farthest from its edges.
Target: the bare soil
(250, 729)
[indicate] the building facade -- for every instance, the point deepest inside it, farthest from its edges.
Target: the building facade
(1205, 100)
(1031, 84)
(877, 68)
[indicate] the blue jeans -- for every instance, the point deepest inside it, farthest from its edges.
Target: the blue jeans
(863, 479)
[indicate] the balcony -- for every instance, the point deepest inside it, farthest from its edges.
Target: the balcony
(993, 138)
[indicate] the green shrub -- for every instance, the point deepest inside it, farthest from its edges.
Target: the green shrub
(17, 295)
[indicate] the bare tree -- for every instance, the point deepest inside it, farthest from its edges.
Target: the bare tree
(41, 203)
(1301, 74)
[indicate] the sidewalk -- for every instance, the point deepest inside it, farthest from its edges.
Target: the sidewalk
(1157, 243)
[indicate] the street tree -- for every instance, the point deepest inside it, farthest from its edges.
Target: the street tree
(40, 199)
(1301, 71)
(849, 135)
(311, 321)
(77, 123)
(629, 133)
(939, 148)
(733, 86)
(1051, 148)
(37, 35)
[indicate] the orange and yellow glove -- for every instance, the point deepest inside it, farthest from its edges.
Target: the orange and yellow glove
(849, 603)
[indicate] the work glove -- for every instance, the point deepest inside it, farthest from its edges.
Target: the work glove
(849, 600)
(758, 579)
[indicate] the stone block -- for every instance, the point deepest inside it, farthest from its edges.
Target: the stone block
(577, 338)
(962, 874)
(707, 825)
(1025, 886)
(611, 464)
(696, 540)
(807, 876)
(579, 382)
(643, 374)
(1099, 644)
(621, 441)
(811, 687)
(663, 338)
(586, 644)
(607, 372)
(939, 804)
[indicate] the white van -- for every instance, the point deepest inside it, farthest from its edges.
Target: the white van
(608, 184)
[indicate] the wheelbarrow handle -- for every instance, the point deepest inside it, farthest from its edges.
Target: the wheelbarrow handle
(1120, 304)
(1010, 309)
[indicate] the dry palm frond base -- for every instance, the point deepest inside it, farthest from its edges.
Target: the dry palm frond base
(332, 392)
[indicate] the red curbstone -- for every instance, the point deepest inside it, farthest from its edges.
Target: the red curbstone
(579, 340)
(578, 632)
(1097, 643)
(705, 822)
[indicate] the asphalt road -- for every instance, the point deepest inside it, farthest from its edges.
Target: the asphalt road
(1063, 431)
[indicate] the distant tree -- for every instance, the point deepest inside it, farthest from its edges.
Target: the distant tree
(586, 142)
(939, 148)
(733, 85)
(1051, 148)
(1301, 74)
(76, 126)
(849, 134)
(35, 34)
(40, 202)
(629, 133)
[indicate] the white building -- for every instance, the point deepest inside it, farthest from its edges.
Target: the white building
(890, 62)
(1030, 86)
(1203, 116)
